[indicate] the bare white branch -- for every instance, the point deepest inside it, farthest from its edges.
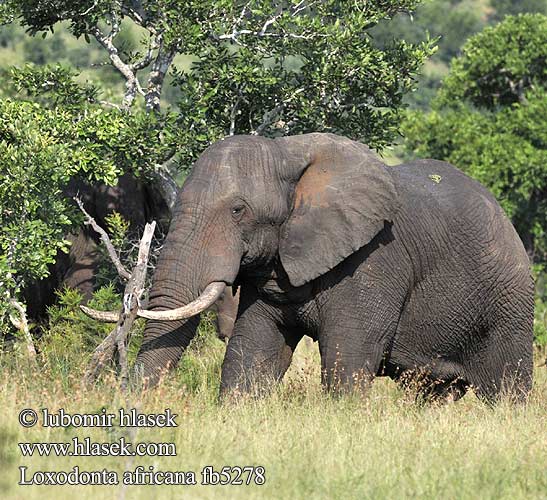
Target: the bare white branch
(22, 325)
(90, 221)
(234, 36)
(118, 338)
(132, 85)
(271, 115)
(110, 104)
(263, 31)
(269, 22)
(242, 15)
(299, 7)
(87, 11)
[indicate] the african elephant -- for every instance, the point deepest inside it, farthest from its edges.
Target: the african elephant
(137, 203)
(132, 198)
(395, 271)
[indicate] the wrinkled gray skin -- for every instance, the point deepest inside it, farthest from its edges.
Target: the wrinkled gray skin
(406, 271)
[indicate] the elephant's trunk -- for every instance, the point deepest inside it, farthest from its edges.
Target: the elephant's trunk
(164, 341)
(188, 269)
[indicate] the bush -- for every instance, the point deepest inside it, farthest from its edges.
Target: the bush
(68, 339)
(43, 145)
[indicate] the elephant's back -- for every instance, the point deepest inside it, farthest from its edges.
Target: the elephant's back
(442, 183)
(474, 226)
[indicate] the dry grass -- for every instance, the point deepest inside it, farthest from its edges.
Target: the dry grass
(311, 445)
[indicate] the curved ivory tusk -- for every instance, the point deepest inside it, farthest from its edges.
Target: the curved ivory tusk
(209, 296)
(106, 316)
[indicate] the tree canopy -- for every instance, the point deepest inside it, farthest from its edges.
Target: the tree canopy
(489, 119)
(262, 67)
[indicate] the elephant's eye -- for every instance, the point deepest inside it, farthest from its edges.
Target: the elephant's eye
(237, 211)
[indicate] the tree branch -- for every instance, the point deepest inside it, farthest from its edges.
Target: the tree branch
(87, 11)
(124, 274)
(22, 325)
(299, 7)
(271, 115)
(137, 13)
(159, 69)
(154, 44)
(268, 119)
(233, 115)
(167, 186)
(109, 104)
(118, 338)
(132, 85)
(263, 31)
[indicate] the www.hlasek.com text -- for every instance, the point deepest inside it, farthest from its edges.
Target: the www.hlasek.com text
(87, 448)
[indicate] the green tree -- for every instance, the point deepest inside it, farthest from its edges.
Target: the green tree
(451, 22)
(489, 119)
(502, 8)
(60, 135)
(262, 66)
(308, 65)
(39, 152)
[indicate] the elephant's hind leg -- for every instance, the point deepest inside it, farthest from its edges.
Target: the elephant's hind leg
(444, 391)
(503, 368)
(439, 386)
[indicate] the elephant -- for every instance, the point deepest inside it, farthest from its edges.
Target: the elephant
(138, 203)
(132, 198)
(411, 272)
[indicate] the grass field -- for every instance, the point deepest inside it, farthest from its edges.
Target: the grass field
(311, 445)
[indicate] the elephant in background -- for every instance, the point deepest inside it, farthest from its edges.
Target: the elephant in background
(137, 203)
(407, 271)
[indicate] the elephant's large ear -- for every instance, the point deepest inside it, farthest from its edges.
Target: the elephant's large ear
(342, 198)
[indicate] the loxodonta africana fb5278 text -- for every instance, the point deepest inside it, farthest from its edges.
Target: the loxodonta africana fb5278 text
(395, 271)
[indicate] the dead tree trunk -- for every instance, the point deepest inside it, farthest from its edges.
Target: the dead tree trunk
(114, 346)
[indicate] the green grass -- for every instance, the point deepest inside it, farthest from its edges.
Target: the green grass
(382, 445)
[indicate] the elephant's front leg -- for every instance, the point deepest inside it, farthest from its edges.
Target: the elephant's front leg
(354, 338)
(259, 351)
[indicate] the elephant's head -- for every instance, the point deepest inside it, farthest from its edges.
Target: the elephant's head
(307, 201)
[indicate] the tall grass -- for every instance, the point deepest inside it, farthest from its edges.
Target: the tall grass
(312, 445)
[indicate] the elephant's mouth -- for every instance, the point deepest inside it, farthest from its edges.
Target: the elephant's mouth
(207, 298)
